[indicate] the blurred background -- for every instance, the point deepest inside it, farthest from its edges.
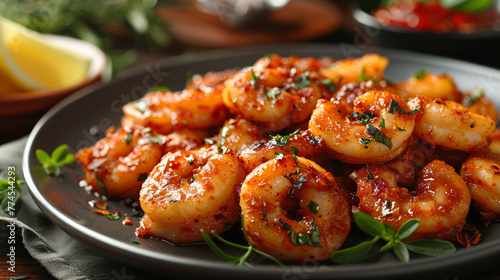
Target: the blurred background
(98, 39)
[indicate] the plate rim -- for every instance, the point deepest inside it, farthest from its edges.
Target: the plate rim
(344, 272)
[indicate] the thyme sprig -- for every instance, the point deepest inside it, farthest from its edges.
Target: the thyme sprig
(243, 259)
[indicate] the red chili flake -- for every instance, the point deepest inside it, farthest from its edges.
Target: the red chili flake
(127, 221)
(469, 236)
(98, 204)
(102, 212)
(115, 213)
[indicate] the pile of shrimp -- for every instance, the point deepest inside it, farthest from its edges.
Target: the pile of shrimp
(296, 145)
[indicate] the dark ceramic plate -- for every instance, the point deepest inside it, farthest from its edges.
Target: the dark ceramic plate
(77, 119)
(463, 45)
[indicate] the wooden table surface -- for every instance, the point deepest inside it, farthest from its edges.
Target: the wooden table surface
(30, 268)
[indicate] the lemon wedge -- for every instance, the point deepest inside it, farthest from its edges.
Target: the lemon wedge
(30, 61)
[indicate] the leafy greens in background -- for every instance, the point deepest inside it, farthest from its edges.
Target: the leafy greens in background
(109, 24)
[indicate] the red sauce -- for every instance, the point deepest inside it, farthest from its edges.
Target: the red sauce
(430, 16)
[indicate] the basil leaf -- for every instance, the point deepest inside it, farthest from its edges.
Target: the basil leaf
(368, 224)
(401, 252)
(407, 229)
(353, 254)
(430, 247)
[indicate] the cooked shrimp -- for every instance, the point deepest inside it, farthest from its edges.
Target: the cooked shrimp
(211, 79)
(451, 125)
(166, 111)
(372, 133)
(297, 144)
(429, 85)
(185, 139)
(494, 139)
(117, 165)
(276, 92)
(482, 175)
(349, 92)
(238, 133)
(368, 67)
(293, 210)
(481, 105)
(440, 200)
(189, 191)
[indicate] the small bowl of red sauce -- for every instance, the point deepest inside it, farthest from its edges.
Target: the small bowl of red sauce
(468, 29)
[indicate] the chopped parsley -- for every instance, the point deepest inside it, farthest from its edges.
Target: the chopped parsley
(141, 106)
(395, 106)
(379, 136)
(303, 81)
(142, 177)
(420, 75)
(313, 206)
(159, 89)
(476, 94)
(272, 92)
(254, 81)
(332, 86)
(362, 77)
(282, 140)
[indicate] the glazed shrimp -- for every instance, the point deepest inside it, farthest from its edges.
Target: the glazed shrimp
(367, 67)
(166, 111)
(211, 79)
(298, 144)
(284, 201)
(494, 139)
(440, 200)
(239, 133)
(482, 105)
(429, 85)
(116, 165)
(482, 175)
(451, 125)
(189, 191)
(276, 92)
(185, 139)
(372, 133)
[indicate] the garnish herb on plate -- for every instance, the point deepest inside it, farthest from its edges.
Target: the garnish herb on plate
(281, 140)
(52, 164)
(10, 191)
(369, 225)
(475, 95)
(242, 260)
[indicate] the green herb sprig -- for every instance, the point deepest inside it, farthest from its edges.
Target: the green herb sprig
(281, 140)
(429, 247)
(10, 191)
(53, 163)
(243, 259)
